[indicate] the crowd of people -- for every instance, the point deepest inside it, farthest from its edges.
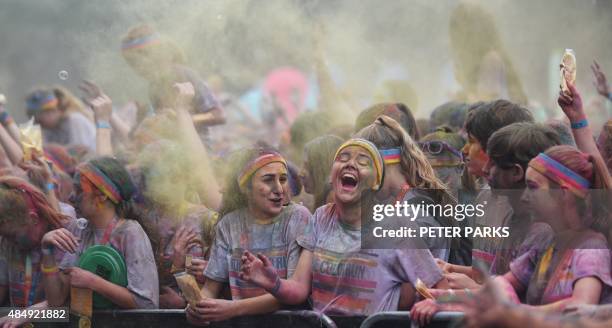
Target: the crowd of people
(277, 224)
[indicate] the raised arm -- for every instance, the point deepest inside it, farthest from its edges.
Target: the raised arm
(601, 83)
(11, 147)
(571, 104)
(208, 187)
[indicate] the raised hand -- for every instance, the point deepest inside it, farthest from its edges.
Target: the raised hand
(99, 102)
(183, 239)
(38, 170)
(600, 83)
(571, 104)
(197, 268)
(258, 270)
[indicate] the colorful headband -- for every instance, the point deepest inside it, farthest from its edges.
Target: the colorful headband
(35, 104)
(391, 156)
(100, 181)
(60, 159)
(560, 174)
(256, 164)
(373, 151)
(141, 42)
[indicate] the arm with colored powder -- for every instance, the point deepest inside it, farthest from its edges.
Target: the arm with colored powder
(583, 134)
(40, 175)
(105, 114)
(11, 147)
(259, 270)
(56, 284)
(212, 309)
(208, 188)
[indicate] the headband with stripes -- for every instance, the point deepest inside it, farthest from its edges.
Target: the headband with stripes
(100, 181)
(560, 174)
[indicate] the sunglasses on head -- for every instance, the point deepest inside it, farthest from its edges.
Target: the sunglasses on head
(437, 147)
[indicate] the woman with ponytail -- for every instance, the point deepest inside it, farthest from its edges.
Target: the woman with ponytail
(409, 177)
(103, 194)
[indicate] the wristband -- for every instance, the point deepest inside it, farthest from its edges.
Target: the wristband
(51, 270)
(277, 285)
(580, 124)
(50, 186)
(103, 125)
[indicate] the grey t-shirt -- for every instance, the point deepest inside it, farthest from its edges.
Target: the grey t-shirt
(237, 232)
(131, 241)
(73, 129)
(347, 280)
(439, 247)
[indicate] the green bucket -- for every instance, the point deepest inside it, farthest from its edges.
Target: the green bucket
(106, 262)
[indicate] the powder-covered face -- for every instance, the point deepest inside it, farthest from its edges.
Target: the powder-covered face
(48, 118)
(269, 186)
(25, 233)
(539, 198)
(351, 174)
(475, 157)
(84, 197)
(500, 177)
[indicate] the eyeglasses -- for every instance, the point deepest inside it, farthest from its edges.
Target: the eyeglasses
(437, 147)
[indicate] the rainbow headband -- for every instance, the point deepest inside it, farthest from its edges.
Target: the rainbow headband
(373, 151)
(49, 102)
(560, 174)
(256, 164)
(391, 155)
(101, 181)
(141, 42)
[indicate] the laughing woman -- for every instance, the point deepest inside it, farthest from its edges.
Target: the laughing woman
(254, 219)
(343, 278)
(103, 195)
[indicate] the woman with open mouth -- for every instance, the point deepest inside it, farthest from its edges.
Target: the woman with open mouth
(341, 277)
(253, 218)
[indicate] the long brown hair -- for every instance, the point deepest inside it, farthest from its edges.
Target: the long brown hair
(385, 133)
(595, 209)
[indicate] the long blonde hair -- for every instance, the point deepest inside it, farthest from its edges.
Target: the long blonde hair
(385, 133)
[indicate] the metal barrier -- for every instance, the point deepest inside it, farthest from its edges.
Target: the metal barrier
(176, 318)
(402, 319)
(283, 319)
